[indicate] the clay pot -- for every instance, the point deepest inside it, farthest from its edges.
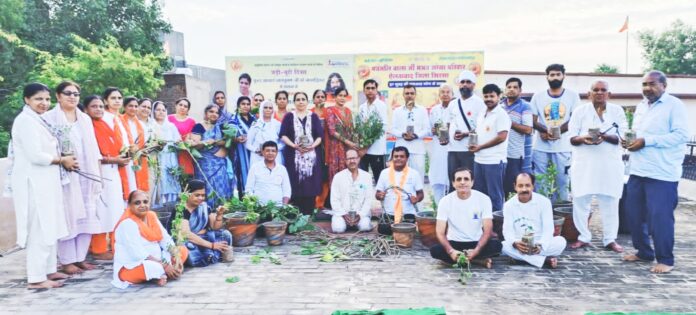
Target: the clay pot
(234, 218)
(568, 230)
(404, 233)
(243, 232)
(558, 224)
(498, 224)
(426, 221)
(275, 232)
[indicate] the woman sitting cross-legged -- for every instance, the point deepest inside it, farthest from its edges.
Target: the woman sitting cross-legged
(207, 240)
(141, 246)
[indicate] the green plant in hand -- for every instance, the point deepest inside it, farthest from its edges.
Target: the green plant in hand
(464, 268)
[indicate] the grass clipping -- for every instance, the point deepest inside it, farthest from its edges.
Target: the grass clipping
(329, 248)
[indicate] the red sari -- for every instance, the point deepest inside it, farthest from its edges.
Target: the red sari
(184, 128)
(335, 150)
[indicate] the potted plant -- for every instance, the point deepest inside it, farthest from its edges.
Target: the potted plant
(630, 134)
(275, 231)
(426, 221)
(243, 221)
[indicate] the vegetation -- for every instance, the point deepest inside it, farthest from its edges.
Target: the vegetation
(606, 68)
(671, 51)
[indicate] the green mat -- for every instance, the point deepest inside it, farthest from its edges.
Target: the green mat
(410, 311)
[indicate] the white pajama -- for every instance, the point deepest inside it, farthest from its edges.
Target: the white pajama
(555, 248)
(338, 224)
(608, 206)
(41, 258)
(416, 161)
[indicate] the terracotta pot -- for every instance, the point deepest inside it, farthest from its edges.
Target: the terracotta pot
(275, 232)
(232, 219)
(426, 222)
(243, 234)
(558, 224)
(498, 224)
(404, 233)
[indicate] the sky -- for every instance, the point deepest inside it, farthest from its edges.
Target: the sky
(521, 35)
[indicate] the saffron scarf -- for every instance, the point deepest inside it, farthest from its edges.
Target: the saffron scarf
(398, 207)
(149, 229)
(110, 144)
(141, 176)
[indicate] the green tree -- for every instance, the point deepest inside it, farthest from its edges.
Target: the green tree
(606, 68)
(672, 51)
(11, 15)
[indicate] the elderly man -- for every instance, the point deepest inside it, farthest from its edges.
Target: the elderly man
(519, 151)
(529, 212)
(439, 118)
(490, 155)
(463, 114)
(552, 109)
(662, 129)
(399, 203)
(267, 179)
(465, 222)
(410, 126)
(597, 168)
(351, 196)
(374, 157)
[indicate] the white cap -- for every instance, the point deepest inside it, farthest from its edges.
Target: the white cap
(466, 75)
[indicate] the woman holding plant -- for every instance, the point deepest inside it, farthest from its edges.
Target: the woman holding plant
(242, 122)
(301, 131)
(168, 187)
(212, 167)
(339, 121)
(135, 132)
(184, 124)
(80, 194)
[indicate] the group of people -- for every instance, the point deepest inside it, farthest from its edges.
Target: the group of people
(76, 166)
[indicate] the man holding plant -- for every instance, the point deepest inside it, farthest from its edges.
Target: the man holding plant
(374, 156)
(351, 196)
(411, 125)
(269, 180)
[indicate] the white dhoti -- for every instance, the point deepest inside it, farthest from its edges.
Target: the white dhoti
(338, 223)
(608, 206)
(555, 248)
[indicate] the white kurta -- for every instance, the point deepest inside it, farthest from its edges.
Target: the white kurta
(380, 145)
(131, 250)
(437, 174)
(597, 169)
(471, 108)
(260, 132)
(111, 119)
(416, 117)
(349, 195)
(35, 182)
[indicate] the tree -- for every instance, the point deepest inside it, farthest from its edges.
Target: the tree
(11, 15)
(672, 51)
(606, 68)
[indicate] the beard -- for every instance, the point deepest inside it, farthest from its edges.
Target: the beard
(554, 84)
(466, 93)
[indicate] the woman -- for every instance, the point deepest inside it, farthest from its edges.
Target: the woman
(256, 104)
(167, 186)
(281, 100)
(319, 100)
(242, 121)
(135, 131)
(80, 194)
(213, 167)
(143, 114)
(301, 131)
(115, 187)
(184, 124)
(36, 188)
(206, 239)
(339, 121)
(264, 129)
(220, 100)
(113, 99)
(142, 246)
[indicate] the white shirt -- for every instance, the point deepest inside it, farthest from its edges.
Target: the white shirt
(268, 184)
(465, 217)
(553, 109)
(437, 173)
(489, 124)
(260, 132)
(535, 215)
(471, 107)
(380, 146)
(597, 169)
(131, 250)
(348, 195)
(413, 184)
(416, 117)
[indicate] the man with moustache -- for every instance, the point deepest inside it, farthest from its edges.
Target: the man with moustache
(417, 117)
(351, 191)
(374, 157)
(662, 130)
(552, 108)
(598, 168)
(465, 223)
(530, 212)
(463, 113)
(519, 151)
(399, 204)
(439, 116)
(490, 155)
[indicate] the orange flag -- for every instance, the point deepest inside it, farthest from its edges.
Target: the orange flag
(625, 26)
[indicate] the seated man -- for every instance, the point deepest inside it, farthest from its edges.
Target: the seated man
(142, 246)
(466, 217)
(267, 179)
(397, 203)
(529, 211)
(351, 196)
(207, 240)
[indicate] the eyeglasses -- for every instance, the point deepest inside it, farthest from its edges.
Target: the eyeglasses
(258, 100)
(68, 93)
(139, 202)
(267, 107)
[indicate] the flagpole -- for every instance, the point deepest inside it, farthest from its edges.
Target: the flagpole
(626, 69)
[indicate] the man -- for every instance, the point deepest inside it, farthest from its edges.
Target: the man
(244, 85)
(267, 179)
(519, 152)
(465, 221)
(552, 108)
(597, 167)
(374, 157)
(462, 120)
(410, 126)
(398, 203)
(530, 212)
(351, 191)
(662, 128)
(490, 158)
(439, 117)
